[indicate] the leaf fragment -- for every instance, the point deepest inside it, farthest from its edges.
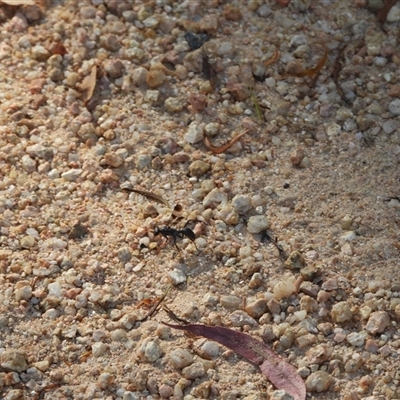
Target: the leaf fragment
(281, 374)
(147, 194)
(221, 149)
(313, 72)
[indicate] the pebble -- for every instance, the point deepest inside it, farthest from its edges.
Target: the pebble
(393, 14)
(199, 168)
(296, 156)
(215, 197)
(194, 134)
(72, 174)
(113, 160)
(27, 242)
(284, 289)
(257, 223)
(180, 358)
(13, 360)
(177, 277)
(357, 338)
(305, 340)
(99, 348)
(295, 260)
(114, 68)
(378, 322)
(209, 350)
(173, 104)
(242, 203)
(40, 151)
(149, 350)
(341, 312)
(349, 236)
(193, 371)
(319, 381)
(308, 304)
(280, 395)
(240, 318)
(155, 78)
(143, 161)
(394, 107)
(257, 308)
(230, 302)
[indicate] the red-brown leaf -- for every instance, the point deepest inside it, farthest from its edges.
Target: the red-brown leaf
(281, 374)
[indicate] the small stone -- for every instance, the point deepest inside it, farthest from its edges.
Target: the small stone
(13, 360)
(214, 198)
(105, 380)
(394, 203)
(114, 68)
(296, 156)
(149, 350)
(40, 151)
(209, 350)
(27, 242)
(305, 163)
(230, 302)
(345, 222)
(393, 14)
(177, 277)
(295, 260)
(173, 104)
(98, 349)
(242, 203)
(88, 12)
(394, 107)
(378, 322)
(199, 168)
(308, 304)
(194, 134)
(274, 306)
(257, 308)
(281, 395)
(319, 381)
(143, 161)
(305, 340)
(257, 223)
(318, 354)
(152, 96)
(180, 358)
(284, 289)
(349, 236)
(113, 160)
(357, 338)
(139, 75)
(71, 175)
(240, 318)
(28, 163)
(330, 284)
(23, 293)
(341, 312)
(40, 53)
(155, 78)
(193, 371)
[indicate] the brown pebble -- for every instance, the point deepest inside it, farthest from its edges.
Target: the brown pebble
(155, 78)
(378, 322)
(113, 160)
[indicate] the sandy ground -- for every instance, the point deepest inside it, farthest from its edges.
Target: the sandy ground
(98, 95)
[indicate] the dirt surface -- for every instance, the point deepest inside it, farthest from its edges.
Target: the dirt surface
(296, 224)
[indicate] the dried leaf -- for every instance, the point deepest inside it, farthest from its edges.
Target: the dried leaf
(89, 84)
(274, 58)
(18, 2)
(147, 194)
(221, 149)
(281, 374)
(313, 72)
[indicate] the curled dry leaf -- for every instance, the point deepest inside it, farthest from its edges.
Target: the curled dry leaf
(313, 72)
(274, 58)
(221, 149)
(281, 374)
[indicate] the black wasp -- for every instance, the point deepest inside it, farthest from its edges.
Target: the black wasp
(169, 232)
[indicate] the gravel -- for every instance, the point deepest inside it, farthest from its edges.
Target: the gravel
(80, 265)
